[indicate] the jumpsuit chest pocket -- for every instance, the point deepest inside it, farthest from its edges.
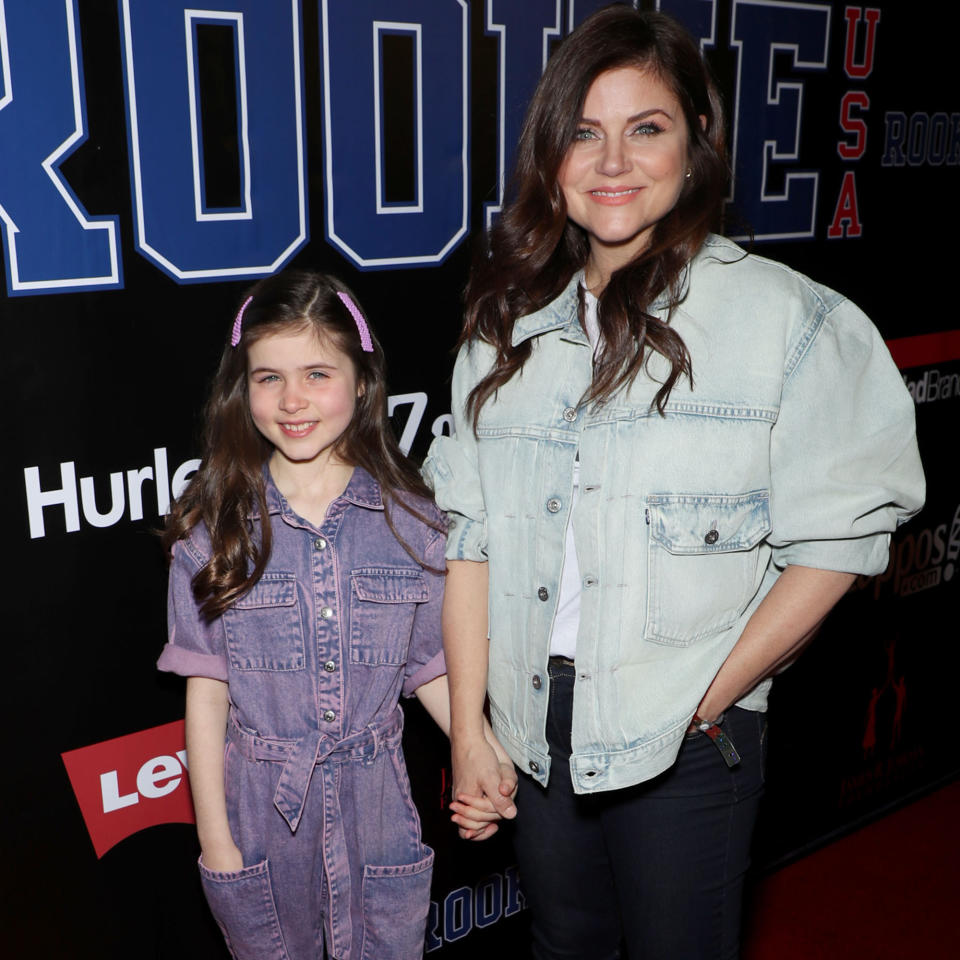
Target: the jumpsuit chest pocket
(703, 564)
(383, 604)
(264, 627)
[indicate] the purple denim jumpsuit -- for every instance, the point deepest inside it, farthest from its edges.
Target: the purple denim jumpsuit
(316, 656)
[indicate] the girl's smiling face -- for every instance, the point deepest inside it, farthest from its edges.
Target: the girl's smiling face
(303, 393)
(626, 167)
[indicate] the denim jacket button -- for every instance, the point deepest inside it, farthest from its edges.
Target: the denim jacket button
(329, 666)
(712, 537)
(554, 504)
(326, 613)
(536, 681)
(570, 414)
(320, 544)
(329, 716)
(534, 766)
(543, 594)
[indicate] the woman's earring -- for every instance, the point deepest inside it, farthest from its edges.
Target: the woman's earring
(689, 174)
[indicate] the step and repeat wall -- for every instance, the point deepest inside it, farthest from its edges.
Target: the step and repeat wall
(155, 159)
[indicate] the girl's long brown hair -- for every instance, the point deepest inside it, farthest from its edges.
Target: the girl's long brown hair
(229, 486)
(533, 250)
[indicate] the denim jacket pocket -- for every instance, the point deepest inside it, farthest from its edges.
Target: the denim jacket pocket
(383, 601)
(264, 628)
(703, 564)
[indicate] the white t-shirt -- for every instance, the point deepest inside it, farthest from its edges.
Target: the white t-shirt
(563, 638)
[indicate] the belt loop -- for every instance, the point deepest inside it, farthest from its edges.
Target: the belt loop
(375, 731)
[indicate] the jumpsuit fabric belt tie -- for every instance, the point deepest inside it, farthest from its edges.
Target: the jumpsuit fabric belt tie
(300, 758)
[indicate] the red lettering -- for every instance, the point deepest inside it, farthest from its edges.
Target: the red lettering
(846, 217)
(854, 70)
(853, 99)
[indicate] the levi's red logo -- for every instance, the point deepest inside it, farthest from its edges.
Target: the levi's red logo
(131, 783)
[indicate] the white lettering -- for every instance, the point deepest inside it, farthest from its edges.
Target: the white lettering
(126, 487)
(135, 480)
(163, 485)
(156, 770)
(181, 477)
(150, 782)
(37, 499)
(110, 792)
(89, 499)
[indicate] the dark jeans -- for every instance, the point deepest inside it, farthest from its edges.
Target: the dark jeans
(659, 866)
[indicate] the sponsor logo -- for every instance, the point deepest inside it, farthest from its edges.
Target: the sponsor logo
(134, 493)
(474, 908)
(130, 783)
(919, 560)
(127, 494)
(932, 386)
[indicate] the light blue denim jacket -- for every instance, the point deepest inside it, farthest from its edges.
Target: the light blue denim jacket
(796, 445)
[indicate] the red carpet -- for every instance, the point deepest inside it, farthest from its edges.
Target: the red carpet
(887, 891)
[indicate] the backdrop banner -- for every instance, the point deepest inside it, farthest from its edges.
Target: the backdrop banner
(156, 159)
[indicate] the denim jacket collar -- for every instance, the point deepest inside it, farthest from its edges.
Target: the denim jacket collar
(563, 313)
(362, 491)
(560, 313)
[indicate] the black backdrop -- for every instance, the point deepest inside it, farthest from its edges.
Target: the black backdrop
(127, 240)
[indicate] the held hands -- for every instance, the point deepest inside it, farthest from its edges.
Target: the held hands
(484, 783)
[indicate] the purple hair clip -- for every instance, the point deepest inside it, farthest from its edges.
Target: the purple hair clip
(238, 323)
(365, 342)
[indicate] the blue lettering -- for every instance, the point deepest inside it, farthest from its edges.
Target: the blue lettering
(457, 914)
(515, 898)
(52, 244)
(895, 126)
(488, 901)
(937, 142)
(698, 16)
(370, 233)
(433, 940)
(524, 32)
(175, 228)
(768, 115)
(579, 10)
(917, 139)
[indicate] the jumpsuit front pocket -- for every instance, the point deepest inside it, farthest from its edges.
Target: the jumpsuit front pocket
(383, 602)
(704, 563)
(396, 901)
(242, 903)
(264, 629)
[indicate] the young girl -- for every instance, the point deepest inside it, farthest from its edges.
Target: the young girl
(305, 595)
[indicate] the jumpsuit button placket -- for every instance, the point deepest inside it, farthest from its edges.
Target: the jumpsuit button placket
(320, 544)
(329, 716)
(330, 666)
(326, 613)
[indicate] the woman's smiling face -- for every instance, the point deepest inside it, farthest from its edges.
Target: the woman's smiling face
(626, 167)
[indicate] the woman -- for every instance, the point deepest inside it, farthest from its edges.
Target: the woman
(671, 460)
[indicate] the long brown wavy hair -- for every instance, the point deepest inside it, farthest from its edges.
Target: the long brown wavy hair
(229, 486)
(533, 250)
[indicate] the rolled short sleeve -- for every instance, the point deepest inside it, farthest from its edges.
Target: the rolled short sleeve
(845, 468)
(425, 656)
(452, 471)
(194, 647)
